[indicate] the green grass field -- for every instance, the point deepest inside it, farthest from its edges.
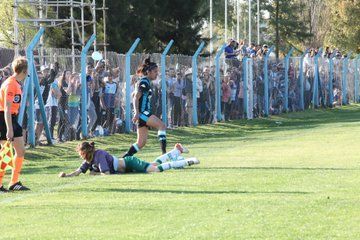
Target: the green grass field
(296, 176)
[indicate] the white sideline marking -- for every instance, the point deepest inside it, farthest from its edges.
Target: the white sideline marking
(51, 190)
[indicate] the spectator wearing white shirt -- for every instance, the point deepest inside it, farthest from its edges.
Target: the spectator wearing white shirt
(108, 101)
(170, 81)
(90, 104)
(64, 89)
(51, 106)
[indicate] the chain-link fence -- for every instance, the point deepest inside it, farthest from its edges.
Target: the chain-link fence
(292, 85)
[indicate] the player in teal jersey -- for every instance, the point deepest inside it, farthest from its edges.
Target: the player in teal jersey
(143, 115)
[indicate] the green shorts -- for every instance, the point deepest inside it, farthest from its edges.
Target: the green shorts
(134, 164)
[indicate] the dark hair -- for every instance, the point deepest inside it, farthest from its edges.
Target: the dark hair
(146, 66)
(236, 45)
(88, 148)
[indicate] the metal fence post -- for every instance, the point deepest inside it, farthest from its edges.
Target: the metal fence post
(128, 86)
(31, 110)
(302, 101)
(344, 79)
(28, 90)
(84, 120)
(217, 82)
(357, 70)
(287, 60)
(266, 81)
(315, 100)
(163, 83)
(194, 78)
(245, 87)
(41, 104)
(250, 88)
(331, 79)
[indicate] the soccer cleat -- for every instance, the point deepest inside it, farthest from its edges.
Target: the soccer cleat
(18, 187)
(3, 190)
(192, 161)
(181, 148)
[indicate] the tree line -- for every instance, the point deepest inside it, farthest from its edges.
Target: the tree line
(285, 24)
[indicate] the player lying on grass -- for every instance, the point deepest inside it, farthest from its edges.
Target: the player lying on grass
(101, 162)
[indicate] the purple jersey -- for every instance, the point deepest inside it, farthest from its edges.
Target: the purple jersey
(102, 161)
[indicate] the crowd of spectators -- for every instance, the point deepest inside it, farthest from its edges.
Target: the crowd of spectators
(61, 91)
(233, 91)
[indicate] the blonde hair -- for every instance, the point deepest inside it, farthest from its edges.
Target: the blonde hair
(19, 65)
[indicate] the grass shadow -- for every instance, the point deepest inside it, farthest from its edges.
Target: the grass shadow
(279, 168)
(48, 169)
(132, 190)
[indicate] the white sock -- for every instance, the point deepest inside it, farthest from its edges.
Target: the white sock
(179, 164)
(164, 166)
(179, 158)
(175, 164)
(172, 156)
(136, 146)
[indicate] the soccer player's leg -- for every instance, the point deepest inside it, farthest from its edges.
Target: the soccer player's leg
(178, 164)
(155, 122)
(132, 150)
(162, 140)
(142, 135)
(134, 164)
(19, 146)
(172, 155)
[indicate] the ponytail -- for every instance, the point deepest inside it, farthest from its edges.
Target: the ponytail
(147, 66)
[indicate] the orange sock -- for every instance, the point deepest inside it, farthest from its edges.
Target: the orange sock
(17, 169)
(2, 174)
